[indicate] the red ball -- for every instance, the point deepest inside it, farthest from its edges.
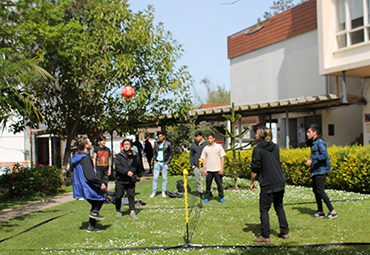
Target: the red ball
(128, 92)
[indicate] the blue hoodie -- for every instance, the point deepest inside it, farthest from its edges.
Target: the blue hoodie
(81, 186)
(320, 158)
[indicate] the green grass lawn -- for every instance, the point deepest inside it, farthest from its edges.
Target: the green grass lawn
(162, 224)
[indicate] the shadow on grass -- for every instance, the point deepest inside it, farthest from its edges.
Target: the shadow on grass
(99, 225)
(252, 227)
(304, 210)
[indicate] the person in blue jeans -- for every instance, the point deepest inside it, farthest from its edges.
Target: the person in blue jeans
(320, 167)
(162, 157)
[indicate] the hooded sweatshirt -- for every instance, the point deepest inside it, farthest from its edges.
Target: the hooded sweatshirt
(125, 163)
(86, 184)
(196, 152)
(266, 164)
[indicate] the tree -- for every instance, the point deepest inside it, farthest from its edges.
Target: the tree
(93, 48)
(19, 75)
(218, 95)
(279, 7)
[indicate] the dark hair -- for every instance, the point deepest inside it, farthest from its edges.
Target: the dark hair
(125, 140)
(102, 137)
(315, 128)
(264, 133)
(82, 141)
(198, 133)
(211, 134)
(161, 133)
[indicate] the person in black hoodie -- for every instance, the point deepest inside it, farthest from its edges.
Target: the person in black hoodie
(267, 167)
(128, 172)
(195, 151)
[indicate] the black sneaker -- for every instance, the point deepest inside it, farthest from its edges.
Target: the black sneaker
(91, 229)
(331, 216)
(318, 215)
(96, 216)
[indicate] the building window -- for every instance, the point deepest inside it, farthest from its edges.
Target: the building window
(352, 22)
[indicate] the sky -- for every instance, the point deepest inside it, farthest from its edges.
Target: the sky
(202, 27)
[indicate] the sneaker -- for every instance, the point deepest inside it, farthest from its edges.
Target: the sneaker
(223, 201)
(281, 235)
(118, 214)
(330, 216)
(91, 229)
(133, 216)
(318, 215)
(261, 239)
(96, 216)
(164, 194)
(205, 201)
(152, 195)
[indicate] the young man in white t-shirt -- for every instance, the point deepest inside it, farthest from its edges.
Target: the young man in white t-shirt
(213, 167)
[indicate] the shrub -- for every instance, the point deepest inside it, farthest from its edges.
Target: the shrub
(350, 167)
(27, 182)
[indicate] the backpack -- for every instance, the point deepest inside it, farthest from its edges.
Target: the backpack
(180, 186)
(174, 194)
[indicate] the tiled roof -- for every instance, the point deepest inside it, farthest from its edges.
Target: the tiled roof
(293, 22)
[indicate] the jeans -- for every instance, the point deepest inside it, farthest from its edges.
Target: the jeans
(196, 174)
(158, 167)
(318, 186)
(218, 179)
(130, 192)
(266, 199)
(102, 171)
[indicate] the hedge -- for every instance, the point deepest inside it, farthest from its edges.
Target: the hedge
(28, 182)
(350, 167)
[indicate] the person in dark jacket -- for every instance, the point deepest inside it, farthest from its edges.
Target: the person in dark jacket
(320, 167)
(267, 167)
(196, 149)
(162, 157)
(128, 172)
(86, 183)
(148, 149)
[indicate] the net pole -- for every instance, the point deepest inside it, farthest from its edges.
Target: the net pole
(201, 182)
(185, 173)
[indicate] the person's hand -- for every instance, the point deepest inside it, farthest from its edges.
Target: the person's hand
(129, 173)
(103, 186)
(309, 162)
(138, 179)
(155, 162)
(109, 172)
(221, 172)
(252, 186)
(166, 163)
(205, 173)
(192, 167)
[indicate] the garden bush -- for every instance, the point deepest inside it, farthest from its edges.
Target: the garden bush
(350, 166)
(27, 182)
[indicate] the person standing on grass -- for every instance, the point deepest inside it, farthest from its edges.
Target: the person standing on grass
(320, 167)
(128, 172)
(162, 157)
(101, 160)
(213, 167)
(196, 149)
(266, 166)
(86, 183)
(148, 149)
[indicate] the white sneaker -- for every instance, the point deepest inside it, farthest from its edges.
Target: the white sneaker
(152, 195)
(163, 194)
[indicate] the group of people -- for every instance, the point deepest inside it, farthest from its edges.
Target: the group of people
(266, 166)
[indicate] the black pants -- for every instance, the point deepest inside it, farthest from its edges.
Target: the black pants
(318, 185)
(130, 192)
(218, 179)
(266, 199)
(95, 208)
(102, 172)
(149, 159)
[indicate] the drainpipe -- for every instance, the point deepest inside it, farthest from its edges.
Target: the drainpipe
(287, 141)
(240, 130)
(344, 83)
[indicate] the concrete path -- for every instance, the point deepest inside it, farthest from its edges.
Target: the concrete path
(21, 210)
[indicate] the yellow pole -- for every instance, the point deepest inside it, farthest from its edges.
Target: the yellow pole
(200, 174)
(185, 172)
